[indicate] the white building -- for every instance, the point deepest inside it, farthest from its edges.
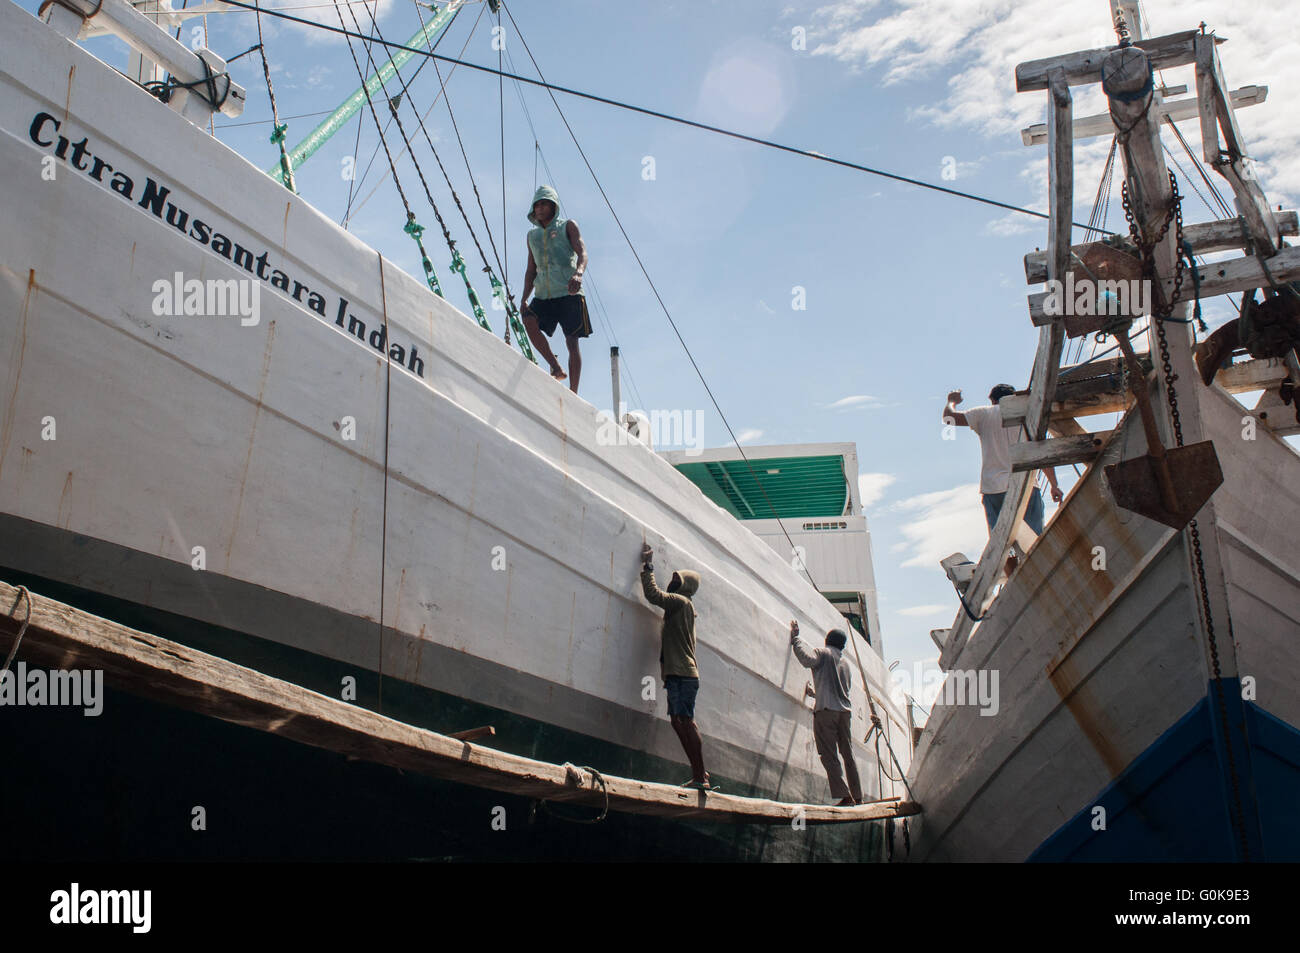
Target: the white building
(809, 490)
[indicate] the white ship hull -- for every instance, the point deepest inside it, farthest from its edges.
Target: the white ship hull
(176, 432)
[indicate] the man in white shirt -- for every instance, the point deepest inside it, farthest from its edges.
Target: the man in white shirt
(995, 450)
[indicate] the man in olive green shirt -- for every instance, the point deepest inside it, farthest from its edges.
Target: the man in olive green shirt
(677, 659)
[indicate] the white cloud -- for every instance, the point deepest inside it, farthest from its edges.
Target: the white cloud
(942, 523)
(926, 610)
(854, 400)
(872, 486)
(977, 46)
(749, 435)
(329, 16)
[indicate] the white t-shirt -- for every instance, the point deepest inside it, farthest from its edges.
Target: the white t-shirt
(995, 447)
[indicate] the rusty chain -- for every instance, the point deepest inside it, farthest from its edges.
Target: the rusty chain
(1159, 314)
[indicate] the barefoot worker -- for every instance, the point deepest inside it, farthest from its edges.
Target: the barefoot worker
(677, 659)
(557, 259)
(833, 714)
(995, 454)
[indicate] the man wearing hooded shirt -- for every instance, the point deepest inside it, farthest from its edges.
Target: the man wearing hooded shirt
(557, 259)
(677, 659)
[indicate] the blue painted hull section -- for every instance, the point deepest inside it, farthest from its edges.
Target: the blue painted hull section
(1174, 803)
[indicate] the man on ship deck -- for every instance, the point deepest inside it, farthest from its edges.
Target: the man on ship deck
(557, 259)
(995, 455)
(681, 677)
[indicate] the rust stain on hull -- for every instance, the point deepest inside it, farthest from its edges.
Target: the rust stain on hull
(252, 438)
(16, 371)
(67, 103)
(60, 520)
(1092, 720)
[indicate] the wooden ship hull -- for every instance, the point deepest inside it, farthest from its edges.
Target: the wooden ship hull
(440, 522)
(1146, 670)
(1105, 698)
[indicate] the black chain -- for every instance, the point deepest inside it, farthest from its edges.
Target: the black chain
(1164, 309)
(1159, 314)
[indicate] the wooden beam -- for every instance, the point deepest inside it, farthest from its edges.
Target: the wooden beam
(1233, 163)
(1173, 49)
(1102, 125)
(1104, 395)
(1065, 427)
(60, 636)
(1104, 401)
(1216, 278)
(1255, 374)
(1047, 363)
(1276, 415)
(1205, 238)
(1061, 451)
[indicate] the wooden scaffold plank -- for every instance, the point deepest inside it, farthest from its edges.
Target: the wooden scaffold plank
(160, 670)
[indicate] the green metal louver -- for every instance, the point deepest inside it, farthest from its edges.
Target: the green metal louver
(796, 487)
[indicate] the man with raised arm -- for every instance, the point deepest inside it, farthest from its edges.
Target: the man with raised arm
(557, 260)
(833, 713)
(995, 453)
(677, 659)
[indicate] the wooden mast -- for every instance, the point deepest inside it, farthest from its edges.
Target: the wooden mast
(1042, 386)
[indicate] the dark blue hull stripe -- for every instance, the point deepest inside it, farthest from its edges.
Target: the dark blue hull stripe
(1173, 802)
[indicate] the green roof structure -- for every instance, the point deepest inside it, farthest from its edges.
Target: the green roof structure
(784, 487)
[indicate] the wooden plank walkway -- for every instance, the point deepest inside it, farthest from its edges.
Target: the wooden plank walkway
(60, 636)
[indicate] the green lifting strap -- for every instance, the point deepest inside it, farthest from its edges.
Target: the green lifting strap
(512, 313)
(415, 230)
(458, 266)
(277, 139)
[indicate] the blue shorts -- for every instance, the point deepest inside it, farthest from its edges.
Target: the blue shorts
(1033, 510)
(681, 695)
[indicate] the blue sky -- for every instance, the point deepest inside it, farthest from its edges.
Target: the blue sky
(908, 293)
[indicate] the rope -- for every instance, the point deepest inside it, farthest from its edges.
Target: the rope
(401, 130)
(458, 263)
(383, 539)
(374, 115)
(277, 128)
(573, 776)
(464, 46)
(22, 593)
(501, 110)
(162, 89)
(667, 117)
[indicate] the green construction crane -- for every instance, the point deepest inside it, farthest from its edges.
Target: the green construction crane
(339, 117)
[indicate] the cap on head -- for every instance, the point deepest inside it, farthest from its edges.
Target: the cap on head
(1000, 391)
(836, 638)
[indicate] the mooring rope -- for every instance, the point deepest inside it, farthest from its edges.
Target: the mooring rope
(22, 593)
